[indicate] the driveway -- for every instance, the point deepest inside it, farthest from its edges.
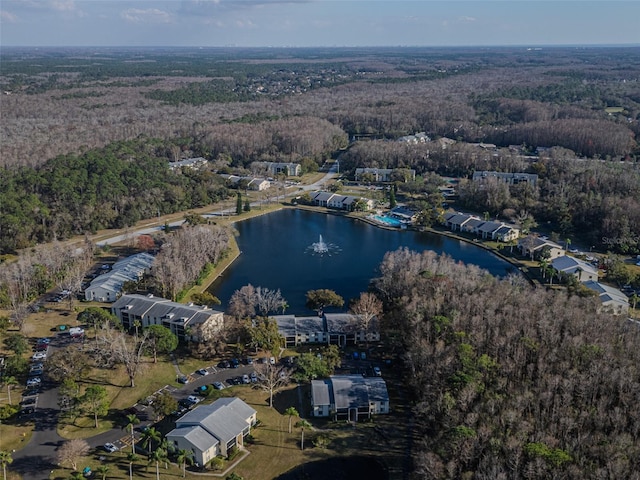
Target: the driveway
(38, 458)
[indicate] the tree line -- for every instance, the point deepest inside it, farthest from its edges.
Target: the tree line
(510, 381)
(113, 187)
(596, 199)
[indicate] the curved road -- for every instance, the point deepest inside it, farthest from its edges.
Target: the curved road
(37, 459)
(117, 238)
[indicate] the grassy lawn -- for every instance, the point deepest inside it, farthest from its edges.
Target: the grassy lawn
(151, 378)
(275, 450)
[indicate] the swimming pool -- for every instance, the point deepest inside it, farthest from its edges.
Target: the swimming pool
(392, 222)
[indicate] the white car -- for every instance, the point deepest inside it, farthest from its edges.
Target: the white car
(377, 372)
(272, 360)
(193, 399)
(110, 447)
(245, 379)
(33, 381)
(203, 371)
(39, 356)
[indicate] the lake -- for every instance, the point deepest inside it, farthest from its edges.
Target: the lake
(277, 253)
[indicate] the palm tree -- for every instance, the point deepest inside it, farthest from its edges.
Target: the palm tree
(567, 243)
(157, 456)
(10, 382)
(544, 264)
(103, 470)
(137, 325)
(291, 412)
(132, 420)
(132, 457)
(5, 459)
(302, 423)
(149, 436)
(183, 457)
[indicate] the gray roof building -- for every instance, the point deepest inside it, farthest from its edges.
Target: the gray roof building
(331, 328)
(612, 299)
(108, 286)
(211, 430)
(509, 178)
(583, 271)
(349, 396)
(188, 322)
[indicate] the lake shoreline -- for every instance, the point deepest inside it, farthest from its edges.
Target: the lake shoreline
(235, 252)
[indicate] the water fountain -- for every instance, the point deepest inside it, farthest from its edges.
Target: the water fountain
(322, 248)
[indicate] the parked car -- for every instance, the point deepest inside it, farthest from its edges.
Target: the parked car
(183, 379)
(193, 399)
(218, 385)
(35, 372)
(44, 340)
(224, 364)
(377, 372)
(363, 356)
(110, 447)
(201, 390)
(33, 381)
(39, 356)
(254, 377)
(203, 371)
(245, 379)
(248, 361)
(272, 360)
(235, 363)
(356, 355)
(30, 392)
(27, 411)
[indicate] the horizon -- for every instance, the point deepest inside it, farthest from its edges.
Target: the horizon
(318, 23)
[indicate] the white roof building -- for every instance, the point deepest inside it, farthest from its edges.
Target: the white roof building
(212, 430)
(108, 286)
(613, 300)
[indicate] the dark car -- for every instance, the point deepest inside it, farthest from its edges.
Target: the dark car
(224, 364)
(27, 410)
(248, 361)
(29, 402)
(30, 392)
(235, 363)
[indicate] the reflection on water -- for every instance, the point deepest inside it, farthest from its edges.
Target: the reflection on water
(275, 255)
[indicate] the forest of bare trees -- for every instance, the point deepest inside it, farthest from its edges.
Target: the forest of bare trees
(89, 149)
(500, 97)
(511, 382)
(186, 254)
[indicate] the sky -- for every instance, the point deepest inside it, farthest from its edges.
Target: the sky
(308, 23)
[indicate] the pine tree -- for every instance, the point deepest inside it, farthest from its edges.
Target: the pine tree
(239, 204)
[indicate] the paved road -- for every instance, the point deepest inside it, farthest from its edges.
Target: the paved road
(117, 238)
(36, 460)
